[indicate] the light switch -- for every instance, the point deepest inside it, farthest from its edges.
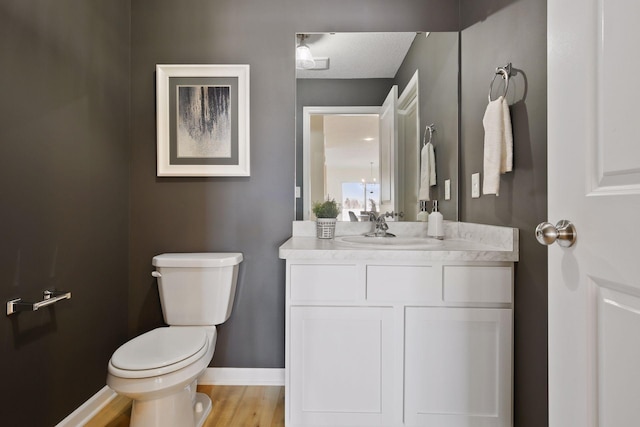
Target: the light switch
(297, 192)
(475, 185)
(447, 189)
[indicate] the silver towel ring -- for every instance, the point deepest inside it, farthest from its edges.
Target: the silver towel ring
(431, 129)
(505, 72)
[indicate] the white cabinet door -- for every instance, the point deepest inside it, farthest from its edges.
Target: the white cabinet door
(458, 367)
(341, 364)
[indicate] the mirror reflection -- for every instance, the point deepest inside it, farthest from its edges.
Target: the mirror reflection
(364, 101)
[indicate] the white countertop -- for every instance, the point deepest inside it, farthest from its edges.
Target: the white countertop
(462, 242)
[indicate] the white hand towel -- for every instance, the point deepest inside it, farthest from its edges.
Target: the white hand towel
(498, 145)
(427, 171)
(506, 163)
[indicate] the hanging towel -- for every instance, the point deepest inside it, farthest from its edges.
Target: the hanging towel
(498, 144)
(427, 171)
(506, 158)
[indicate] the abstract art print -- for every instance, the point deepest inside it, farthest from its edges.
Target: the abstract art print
(203, 120)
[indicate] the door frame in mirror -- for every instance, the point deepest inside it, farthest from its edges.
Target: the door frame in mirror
(307, 112)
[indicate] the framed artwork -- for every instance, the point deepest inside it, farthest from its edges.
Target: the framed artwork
(203, 120)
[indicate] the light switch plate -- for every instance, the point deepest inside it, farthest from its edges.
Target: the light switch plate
(297, 192)
(447, 189)
(475, 185)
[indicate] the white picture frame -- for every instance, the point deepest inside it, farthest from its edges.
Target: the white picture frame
(202, 114)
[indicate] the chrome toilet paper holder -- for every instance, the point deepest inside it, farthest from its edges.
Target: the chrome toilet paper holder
(50, 296)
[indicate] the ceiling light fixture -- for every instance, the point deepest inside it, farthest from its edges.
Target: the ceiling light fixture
(304, 59)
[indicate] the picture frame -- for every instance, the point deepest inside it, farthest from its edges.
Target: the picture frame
(202, 115)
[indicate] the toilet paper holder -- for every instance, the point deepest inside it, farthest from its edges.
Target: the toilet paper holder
(50, 296)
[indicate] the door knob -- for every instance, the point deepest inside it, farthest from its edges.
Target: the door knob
(563, 232)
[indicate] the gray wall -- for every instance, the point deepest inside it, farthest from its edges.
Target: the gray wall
(495, 33)
(436, 59)
(64, 150)
(251, 215)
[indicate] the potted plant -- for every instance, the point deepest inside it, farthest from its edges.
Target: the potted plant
(326, 213)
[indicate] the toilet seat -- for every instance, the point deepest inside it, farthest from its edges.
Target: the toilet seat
(158, 352)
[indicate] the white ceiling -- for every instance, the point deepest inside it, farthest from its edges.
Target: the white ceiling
(358, 55)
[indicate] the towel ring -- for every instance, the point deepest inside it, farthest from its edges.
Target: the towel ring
(505, 72)
(431, 129)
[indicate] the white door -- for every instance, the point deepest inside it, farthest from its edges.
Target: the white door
(594, 182)
(409, 150)
(389, 152)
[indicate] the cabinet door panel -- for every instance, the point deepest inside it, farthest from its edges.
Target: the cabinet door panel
(340, 365)
(458, 367)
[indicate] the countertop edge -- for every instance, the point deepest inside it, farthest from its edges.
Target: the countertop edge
(298, 248)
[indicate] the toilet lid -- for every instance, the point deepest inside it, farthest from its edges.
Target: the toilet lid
(159, 348)
(197, 260)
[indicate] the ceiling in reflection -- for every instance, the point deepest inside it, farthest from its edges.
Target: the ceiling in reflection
(357, 55)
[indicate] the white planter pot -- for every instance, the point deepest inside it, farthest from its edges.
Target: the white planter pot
(326, 228)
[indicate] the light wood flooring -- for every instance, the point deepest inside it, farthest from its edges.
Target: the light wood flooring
(233, 406)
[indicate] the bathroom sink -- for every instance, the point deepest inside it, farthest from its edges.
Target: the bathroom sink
(416, 243)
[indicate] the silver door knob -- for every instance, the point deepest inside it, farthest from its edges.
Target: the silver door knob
(563, 232)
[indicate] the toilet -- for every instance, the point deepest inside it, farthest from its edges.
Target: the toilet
(159, 369)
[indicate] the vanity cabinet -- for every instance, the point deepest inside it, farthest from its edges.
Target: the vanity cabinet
(390, 344)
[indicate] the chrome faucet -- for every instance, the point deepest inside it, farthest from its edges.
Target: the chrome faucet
(373, 215)
(380, 225)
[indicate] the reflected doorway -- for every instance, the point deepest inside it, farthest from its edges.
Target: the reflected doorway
(342, 151)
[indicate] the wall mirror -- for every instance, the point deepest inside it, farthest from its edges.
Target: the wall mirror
(363, 103)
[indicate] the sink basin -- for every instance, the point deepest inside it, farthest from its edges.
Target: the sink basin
(415, 243)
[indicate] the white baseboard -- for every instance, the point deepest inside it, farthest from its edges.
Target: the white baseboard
(89, 409)
(243, 376)
(212, 376)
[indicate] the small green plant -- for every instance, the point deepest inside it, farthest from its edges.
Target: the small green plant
(327, 209)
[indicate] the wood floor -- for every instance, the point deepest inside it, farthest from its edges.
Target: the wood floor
(233, 406)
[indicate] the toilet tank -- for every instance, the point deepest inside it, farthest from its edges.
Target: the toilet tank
(196, 288)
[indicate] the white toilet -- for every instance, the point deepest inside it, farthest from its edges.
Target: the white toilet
(159, 369)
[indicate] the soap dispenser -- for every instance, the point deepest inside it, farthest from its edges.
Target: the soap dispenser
(435, 228)
(423, 215)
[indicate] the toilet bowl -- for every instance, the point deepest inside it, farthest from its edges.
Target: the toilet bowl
(158, 370)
